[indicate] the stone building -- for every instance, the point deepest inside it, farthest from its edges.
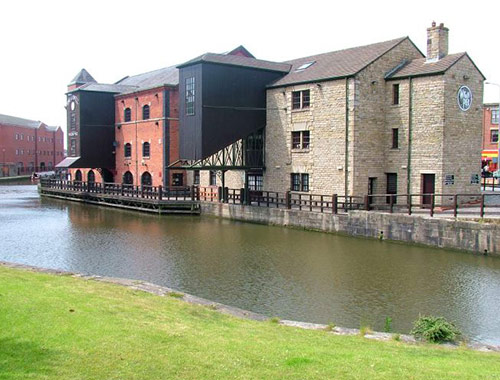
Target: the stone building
(375, 119)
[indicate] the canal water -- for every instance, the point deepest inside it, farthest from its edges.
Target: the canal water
(288, 273)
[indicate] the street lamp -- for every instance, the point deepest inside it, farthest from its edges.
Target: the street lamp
(498, 121)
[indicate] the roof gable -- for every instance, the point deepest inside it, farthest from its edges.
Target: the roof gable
(83, 77)
(336, 64)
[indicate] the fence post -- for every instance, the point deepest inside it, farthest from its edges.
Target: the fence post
(242, 195)
(481, 212)
(432, 205)
(160, 192)
(225, 194)
(219, 194)
(367, 203)
(335, 208)
(455, 205)
(391, 203)
(142, 191)
(288, 200)
(409, 204)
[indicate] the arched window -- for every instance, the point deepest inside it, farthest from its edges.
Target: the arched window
(128, 150)
(145, 149)
(78, 175)
(127, 116)
(146, 179)
(145, 112)
(42, 166)
(128, 178)
(91, 176)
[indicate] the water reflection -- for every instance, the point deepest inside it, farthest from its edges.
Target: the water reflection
(289, 273)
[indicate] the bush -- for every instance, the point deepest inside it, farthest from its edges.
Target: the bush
(435, 329)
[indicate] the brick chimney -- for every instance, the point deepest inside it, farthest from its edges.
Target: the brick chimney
(437, 42)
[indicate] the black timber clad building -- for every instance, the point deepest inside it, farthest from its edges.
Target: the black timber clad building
(222, 99)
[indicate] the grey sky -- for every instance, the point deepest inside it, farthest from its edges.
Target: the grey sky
(46, 43)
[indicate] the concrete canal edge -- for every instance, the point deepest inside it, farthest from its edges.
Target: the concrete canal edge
(236, 312)
(475, 237)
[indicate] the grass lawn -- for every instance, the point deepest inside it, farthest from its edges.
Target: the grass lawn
(61, 327)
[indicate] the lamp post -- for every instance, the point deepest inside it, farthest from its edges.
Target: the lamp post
(3, 161)
(498, 121)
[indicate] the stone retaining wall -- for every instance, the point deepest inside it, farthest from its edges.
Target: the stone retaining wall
(481, 238)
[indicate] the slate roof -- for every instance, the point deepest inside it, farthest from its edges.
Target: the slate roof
(421, 67)
(83, 77)
(336, 64)
(18, 121)
(167, 75)
(236, 60)
(103, 87)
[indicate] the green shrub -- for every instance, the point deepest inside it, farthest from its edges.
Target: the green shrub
(435, 329)
(388, 325)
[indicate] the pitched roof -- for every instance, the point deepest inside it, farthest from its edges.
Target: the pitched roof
(336, 64)
(167, 75)
(103, 87)
(83, 77)
(18, 121)
(236, 60)
(420, 67)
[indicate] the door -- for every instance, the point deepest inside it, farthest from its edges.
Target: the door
(428, 186)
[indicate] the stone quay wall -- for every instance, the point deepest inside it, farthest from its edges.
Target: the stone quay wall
(479, 238)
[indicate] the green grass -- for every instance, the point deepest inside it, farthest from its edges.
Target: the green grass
(60, 327)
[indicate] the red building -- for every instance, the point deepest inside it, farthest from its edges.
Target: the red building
(28, 145)
(489, 154)
(145, 122)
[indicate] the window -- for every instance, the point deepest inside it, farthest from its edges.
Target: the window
(127, 114)
(395, 138)
(78, 175)
(128, 150)
(91, 176)
(299, 182)
(213, 178)
(494, 116)
(300, 140)
(392, 185)
(22, 136)
(145, 149)
(395, 94)
(196, 177)
(304, 66)
(177, 179)
(145, 112)
(494, 135)
(255, 182)
(17, 136)
(300, 99)
(190, 95)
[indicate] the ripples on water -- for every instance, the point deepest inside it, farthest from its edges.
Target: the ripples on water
(289, 273)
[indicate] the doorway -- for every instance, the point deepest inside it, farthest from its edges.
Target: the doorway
(428, 188)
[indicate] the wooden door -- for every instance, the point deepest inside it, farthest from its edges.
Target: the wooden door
(428, 187)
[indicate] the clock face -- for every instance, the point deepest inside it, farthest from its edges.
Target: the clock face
(72, 105)
(464, 98)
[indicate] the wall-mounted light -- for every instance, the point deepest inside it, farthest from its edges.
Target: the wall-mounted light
(319, 85)
(466, 77)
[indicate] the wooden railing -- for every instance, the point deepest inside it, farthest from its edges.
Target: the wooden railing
(431, 204)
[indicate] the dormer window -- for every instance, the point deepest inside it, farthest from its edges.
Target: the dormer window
(145, 112)
(127, 115)
(305, 66)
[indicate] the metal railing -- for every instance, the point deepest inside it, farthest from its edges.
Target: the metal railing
(431, 204)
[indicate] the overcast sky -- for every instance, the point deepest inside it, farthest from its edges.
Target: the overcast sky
(44, 44)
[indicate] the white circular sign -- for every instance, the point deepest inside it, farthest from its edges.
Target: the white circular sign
(464, 98)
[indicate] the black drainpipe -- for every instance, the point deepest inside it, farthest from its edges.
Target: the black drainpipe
(166, 138)
(346, 163)
(410, 111)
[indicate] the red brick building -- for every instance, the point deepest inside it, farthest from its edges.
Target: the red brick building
(489, 154)
(28, 145)
(145, 138)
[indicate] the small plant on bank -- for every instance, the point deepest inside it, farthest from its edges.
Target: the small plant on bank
(176, 295)
(330, 327)
(388, 325)
(435, 330)
(365, 330)
(396, 337)
(275, 320)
